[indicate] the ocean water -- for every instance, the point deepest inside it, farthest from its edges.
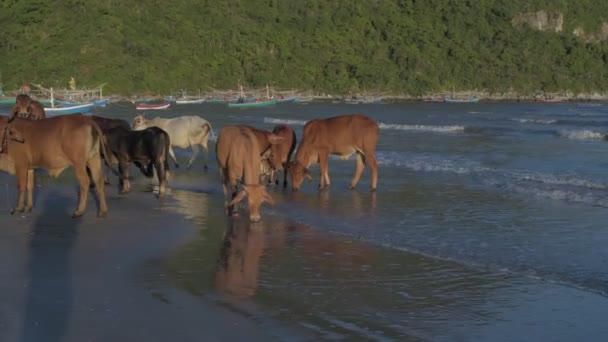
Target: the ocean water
(489, 223)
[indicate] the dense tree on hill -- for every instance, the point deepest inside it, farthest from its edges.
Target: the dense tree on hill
(334, 46)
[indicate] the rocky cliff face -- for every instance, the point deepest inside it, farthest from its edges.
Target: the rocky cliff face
(540, 20)
(600, 36)
(554, 22)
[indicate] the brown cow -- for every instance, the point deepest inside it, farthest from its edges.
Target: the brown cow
(281, 153)
(274, 156)
(238, 157)
(53, 144)
(341, 135)
(27, 108)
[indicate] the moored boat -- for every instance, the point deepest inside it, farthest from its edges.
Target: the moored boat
(79, 108)
(252, 104)
(156, 106)
(189, 101)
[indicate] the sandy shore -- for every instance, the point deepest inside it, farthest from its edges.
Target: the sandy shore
(176, 269)
(88, 279)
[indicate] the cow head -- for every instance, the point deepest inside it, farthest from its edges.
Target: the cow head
(22, 107)
(139, 122)
(298, 172)
(257, 195)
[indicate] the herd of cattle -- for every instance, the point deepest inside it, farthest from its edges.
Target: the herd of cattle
(245, 154)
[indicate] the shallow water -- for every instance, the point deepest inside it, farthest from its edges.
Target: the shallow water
(487, 224)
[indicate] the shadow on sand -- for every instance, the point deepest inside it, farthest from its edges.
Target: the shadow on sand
(48, 298)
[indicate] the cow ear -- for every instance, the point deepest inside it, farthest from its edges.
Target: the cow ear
(239, 197)
(274, 139)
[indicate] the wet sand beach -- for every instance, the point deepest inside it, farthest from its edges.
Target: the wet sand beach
(472, 236)
(177, 269)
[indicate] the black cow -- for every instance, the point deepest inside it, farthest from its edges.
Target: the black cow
(147, 149)
(105, 124)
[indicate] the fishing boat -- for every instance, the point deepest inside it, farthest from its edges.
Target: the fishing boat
(189, 101)
(252, 104)
(242, 103)
(71, 109)
(156, 106)
(66, 108)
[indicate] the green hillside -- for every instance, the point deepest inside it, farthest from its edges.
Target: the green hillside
(335, 46)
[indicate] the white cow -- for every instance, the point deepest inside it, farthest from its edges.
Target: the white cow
(184, 131)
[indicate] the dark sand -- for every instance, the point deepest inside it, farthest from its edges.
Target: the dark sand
(93, 279)
(176, 269)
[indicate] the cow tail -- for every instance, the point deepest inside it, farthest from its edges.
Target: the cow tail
(167, 147)
(211, 131)
(105, 151)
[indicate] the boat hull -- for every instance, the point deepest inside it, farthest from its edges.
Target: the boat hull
(252, 104)
(83, 108)
(143, 106)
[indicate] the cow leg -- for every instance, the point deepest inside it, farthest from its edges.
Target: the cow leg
(21, 188)
(162, 177)
(96, 168)
(29, 189)
(373, 167)
(234, 188)
(205, 154)
(323, 166)
(195, 149)
(123, 169)
(106, 175)
(358, 170)
(172, 154)
(83, 179)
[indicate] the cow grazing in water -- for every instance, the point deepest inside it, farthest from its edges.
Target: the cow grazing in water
(184, 131)
(275, 155)
(148, 149)
(343, 136)
(27, 108)
(53, 144)
(238, 158)
(281, 153)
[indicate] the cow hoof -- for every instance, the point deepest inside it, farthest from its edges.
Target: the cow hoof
(28, 210)
(77, 214)
(373, 190)
(176, 165)
(351, 187)
(102, 214)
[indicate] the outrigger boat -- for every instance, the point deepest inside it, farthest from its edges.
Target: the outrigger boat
(157, 106)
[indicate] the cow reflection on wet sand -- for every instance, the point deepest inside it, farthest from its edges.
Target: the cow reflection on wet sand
(239, 260)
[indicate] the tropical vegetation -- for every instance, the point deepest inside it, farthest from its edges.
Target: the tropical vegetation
(328, 46)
